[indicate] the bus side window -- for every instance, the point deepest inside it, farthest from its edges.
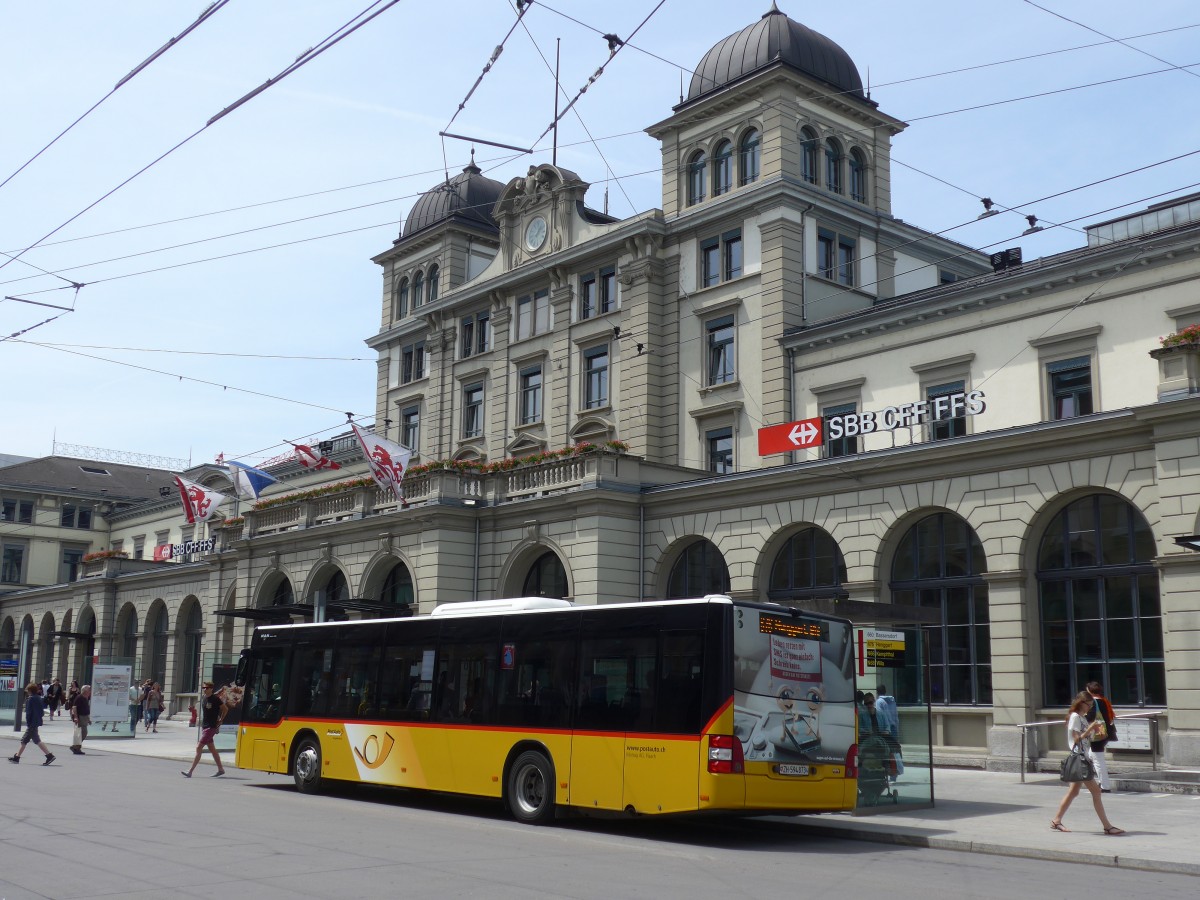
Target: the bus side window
(681, 682)
(314, 679)
(264, 689)
(403, 691)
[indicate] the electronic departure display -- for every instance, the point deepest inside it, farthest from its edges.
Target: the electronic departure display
(808, 629)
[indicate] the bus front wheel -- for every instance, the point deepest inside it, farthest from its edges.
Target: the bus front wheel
(531, 788)
(307, 767)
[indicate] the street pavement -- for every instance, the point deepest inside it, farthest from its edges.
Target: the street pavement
(974, 811)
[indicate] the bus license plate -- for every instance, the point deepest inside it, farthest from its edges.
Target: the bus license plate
(788, 769)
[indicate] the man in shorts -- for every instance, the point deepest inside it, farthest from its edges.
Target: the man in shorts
(34, 709)
(212, 712)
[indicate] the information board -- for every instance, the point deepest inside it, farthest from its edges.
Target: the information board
(110, 693)
(1132, 734)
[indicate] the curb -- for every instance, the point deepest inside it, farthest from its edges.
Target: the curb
(906, 839)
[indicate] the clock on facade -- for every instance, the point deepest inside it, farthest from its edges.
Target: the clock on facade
(535, 233)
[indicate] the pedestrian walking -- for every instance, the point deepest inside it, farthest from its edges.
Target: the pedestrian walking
(135, 707)
(1080, 732)
(1102, 711)
(54, 698)
(34, 710)
(212, 713)
(81, 715)
(154, 705)
(72, 693)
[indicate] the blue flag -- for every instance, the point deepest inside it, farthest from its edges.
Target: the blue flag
(249, 481)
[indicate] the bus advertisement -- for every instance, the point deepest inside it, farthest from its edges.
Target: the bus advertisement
(662, 707)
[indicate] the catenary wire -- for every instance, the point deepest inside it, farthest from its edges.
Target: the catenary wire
(56, 345)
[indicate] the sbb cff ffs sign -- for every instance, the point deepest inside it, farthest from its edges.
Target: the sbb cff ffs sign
(790, 436)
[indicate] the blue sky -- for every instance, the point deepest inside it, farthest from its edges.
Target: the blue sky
(360, 123)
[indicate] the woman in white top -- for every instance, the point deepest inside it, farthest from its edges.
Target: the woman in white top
(1079, 731)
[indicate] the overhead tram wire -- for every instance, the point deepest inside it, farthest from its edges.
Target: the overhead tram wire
(211, 10)
(1122, 42)
(306, 57)
(177, 376)
(55, 345)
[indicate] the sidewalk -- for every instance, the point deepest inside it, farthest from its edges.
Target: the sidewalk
(975, 811)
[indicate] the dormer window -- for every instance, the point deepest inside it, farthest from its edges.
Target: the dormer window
(749, 157)
(723, 169)
(833, 166)
(808, 155)
(697, 174)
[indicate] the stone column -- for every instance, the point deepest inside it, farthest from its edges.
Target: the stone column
(1014, 677)
(1179, 583)
(782, 308)
(646, 322)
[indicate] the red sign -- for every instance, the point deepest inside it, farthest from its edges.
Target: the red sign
(162, 552)
(791, 436)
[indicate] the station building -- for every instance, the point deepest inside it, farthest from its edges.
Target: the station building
(1008, 449)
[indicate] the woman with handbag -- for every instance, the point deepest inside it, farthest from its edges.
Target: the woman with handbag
(1079, 734)
(1102, 712)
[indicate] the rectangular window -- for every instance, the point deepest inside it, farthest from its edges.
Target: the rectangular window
(720, 450)
(595, 377)
(843, 446)
(608, 289)
(836, 255)
(531, 395)
(75, 516)
(587, 296)
(1070, 387)
(410, 427)
(412, 362)
(720, 350)
(948, 425)
(475, 334)
(710, 262)
(20, 511)
(72, 559)
(533, 314)
(721, 258)
(139, 547)
(472, 410)
(12, 563)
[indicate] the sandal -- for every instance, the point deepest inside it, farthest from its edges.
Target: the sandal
(1114, 830)
(1058, 826)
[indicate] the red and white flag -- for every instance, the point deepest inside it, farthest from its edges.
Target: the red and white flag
(311, 459)
(199, 502)
(386, 459)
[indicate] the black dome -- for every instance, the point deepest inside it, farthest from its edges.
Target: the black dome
(776, 38)
(468, 196)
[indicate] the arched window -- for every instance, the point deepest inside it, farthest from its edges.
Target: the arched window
(159, 638)
(129, 636)
(833, 166)
(283, 595)
(809, 565)
(723, 169)
(546, 578)
(750, 157)
(940, 565)
(398, 588)
(417, 287)
(699, 570)
(401, 300)
(193, 636)
(1100, 609)
(432, 290)
(808, 155)
(697, 172)
(858, 176)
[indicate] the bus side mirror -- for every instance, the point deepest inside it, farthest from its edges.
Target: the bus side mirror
(243, 670)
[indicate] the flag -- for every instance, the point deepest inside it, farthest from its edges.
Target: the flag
(311, 459)
(199, 502)
(386, 459)
(248, 481)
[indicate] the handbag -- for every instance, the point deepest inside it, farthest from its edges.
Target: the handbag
(1077, 766)
(1101, 732)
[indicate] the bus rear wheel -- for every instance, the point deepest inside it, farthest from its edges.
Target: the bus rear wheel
(531, 788)
(306, 768)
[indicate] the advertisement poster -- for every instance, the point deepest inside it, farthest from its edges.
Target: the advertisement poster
(110, 693)
(793, 687)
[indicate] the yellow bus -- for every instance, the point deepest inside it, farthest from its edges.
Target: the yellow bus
(675, 706)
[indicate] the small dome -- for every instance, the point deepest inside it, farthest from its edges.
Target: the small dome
(776, 38)
(469, 196)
